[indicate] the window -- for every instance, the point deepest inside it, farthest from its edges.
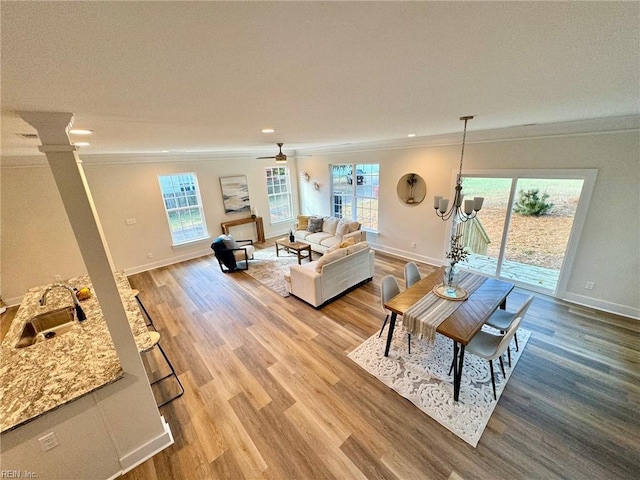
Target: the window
(183, 206)
(355, 193)
(279, 194)
(532, 250)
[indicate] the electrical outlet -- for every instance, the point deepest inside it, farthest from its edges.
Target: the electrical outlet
(49, 441)
(149, 255)
(589, 285)
(413, 244)
(130, 221)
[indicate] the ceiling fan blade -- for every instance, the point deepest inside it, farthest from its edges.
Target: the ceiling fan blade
(263, 158)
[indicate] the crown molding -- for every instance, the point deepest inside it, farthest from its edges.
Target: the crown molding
(629, 123)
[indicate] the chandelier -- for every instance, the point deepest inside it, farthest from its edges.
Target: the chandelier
(459, 210)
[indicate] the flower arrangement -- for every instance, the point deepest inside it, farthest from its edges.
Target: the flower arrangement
(412, 179)
(457, 253)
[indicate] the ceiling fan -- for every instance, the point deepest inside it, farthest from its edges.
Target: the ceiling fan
(280, 157)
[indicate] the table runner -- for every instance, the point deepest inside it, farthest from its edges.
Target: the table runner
(426, 314)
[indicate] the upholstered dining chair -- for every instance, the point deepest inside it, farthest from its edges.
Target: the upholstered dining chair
(232, 255)
(388, 289)
(489, 346)
(501, 319)
(411, 274)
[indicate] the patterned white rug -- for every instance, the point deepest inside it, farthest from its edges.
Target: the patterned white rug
(423, 378)
(270, 270)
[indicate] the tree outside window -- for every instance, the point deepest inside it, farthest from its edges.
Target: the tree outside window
(354, 190)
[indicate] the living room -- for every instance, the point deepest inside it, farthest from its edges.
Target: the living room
(40, 245)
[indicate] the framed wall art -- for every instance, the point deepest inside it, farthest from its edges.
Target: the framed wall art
(235, 194)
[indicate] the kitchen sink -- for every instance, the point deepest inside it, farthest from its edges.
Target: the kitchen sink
(46, 326)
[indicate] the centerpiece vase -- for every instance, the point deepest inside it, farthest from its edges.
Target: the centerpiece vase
(450, 279)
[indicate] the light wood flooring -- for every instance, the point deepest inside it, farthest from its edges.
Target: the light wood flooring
(271, 394)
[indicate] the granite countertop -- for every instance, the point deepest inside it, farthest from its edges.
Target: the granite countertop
(51, 373)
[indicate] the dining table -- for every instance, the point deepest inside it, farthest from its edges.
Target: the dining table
(468, 316)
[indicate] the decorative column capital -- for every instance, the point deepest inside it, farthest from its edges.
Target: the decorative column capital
(52, 127)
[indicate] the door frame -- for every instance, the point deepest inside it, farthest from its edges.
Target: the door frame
(588, 176)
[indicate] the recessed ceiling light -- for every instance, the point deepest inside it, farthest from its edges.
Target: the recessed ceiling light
(81, 144)
(80, 131)
(411, 135)
(268, 130)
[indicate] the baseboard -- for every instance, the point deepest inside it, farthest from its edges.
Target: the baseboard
(145, 452)
(169, 261)
(404, 255)
(601, 305)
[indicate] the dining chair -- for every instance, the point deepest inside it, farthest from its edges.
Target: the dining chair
(489, 347)
(388, 289)
(411, 274)
(501, 319)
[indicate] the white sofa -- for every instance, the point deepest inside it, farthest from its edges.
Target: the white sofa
(333, 232)
(337, 272)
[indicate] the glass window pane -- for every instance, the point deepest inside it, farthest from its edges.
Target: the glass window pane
(279, 193)
(183, 206)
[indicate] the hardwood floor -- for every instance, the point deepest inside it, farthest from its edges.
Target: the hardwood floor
(271, 394)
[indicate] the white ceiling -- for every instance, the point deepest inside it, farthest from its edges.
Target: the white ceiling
(207, 76)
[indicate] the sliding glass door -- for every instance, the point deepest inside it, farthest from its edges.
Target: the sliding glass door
(524, 229)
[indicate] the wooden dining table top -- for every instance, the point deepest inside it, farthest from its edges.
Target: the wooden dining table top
(469, 317)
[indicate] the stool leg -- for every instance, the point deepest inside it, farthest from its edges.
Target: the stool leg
(172, 374)
(146, 314)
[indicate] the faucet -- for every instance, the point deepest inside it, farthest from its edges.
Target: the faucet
(79, 312)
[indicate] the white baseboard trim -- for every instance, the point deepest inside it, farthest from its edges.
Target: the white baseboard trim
(403, 254)
(604, 306)
(169, 261)
(145, 452)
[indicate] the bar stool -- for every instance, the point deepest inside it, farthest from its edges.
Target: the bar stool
(148, 321)
(155, 340)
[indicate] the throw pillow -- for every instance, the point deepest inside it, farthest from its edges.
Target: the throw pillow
(315, 225)
(342, 230)
(303, 222)
(354, 226)
(229, 242)
(347, 242)
(329, 225)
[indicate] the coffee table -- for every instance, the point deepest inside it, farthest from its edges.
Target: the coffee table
(297, 247)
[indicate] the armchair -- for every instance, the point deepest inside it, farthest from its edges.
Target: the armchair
(232, 253)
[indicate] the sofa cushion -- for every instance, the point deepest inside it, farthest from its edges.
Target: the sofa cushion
(342, 229)
(354, 226)
(315, 224)
(303, 222)
(317, 238)
(329, 241)
(348, 242)
(301, 234)
(329, 225)
(356, 247)
(330, 257)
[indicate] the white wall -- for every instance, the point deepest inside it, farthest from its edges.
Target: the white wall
(608, 252)
(609, 248)
(37, 240)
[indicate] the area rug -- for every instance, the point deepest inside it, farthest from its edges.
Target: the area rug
(270, 270)
(422, 377)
